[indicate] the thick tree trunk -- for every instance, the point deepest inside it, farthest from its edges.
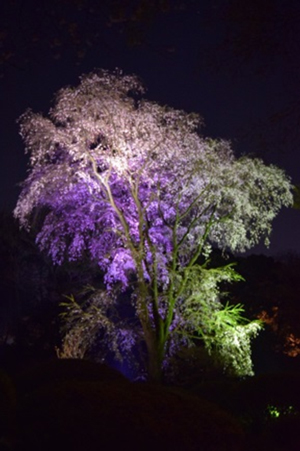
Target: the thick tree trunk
(154, 338)
(155, 351)
(154, 367)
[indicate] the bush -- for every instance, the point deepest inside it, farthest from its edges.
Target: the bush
(89, 414)
(59, 370)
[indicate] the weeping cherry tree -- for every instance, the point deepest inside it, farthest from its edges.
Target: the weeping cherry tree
(134, 187)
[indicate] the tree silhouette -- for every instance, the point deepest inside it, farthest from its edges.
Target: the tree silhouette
(260, 39)
(59, 30)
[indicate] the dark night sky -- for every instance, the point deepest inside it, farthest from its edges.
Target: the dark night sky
(175, 49)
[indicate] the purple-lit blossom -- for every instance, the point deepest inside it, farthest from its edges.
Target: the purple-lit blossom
(121, 265)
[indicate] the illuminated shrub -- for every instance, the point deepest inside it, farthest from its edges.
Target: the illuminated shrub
(267, 408)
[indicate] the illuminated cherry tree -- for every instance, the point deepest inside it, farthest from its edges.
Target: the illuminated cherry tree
(133, 186)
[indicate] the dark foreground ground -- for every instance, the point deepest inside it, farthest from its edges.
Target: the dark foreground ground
(79, 405)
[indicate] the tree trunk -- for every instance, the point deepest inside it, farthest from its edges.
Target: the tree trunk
(155, 358)
(154, 367)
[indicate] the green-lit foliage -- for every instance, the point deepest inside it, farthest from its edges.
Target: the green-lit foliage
(230, 340)
(273, 412)
(224, 330)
